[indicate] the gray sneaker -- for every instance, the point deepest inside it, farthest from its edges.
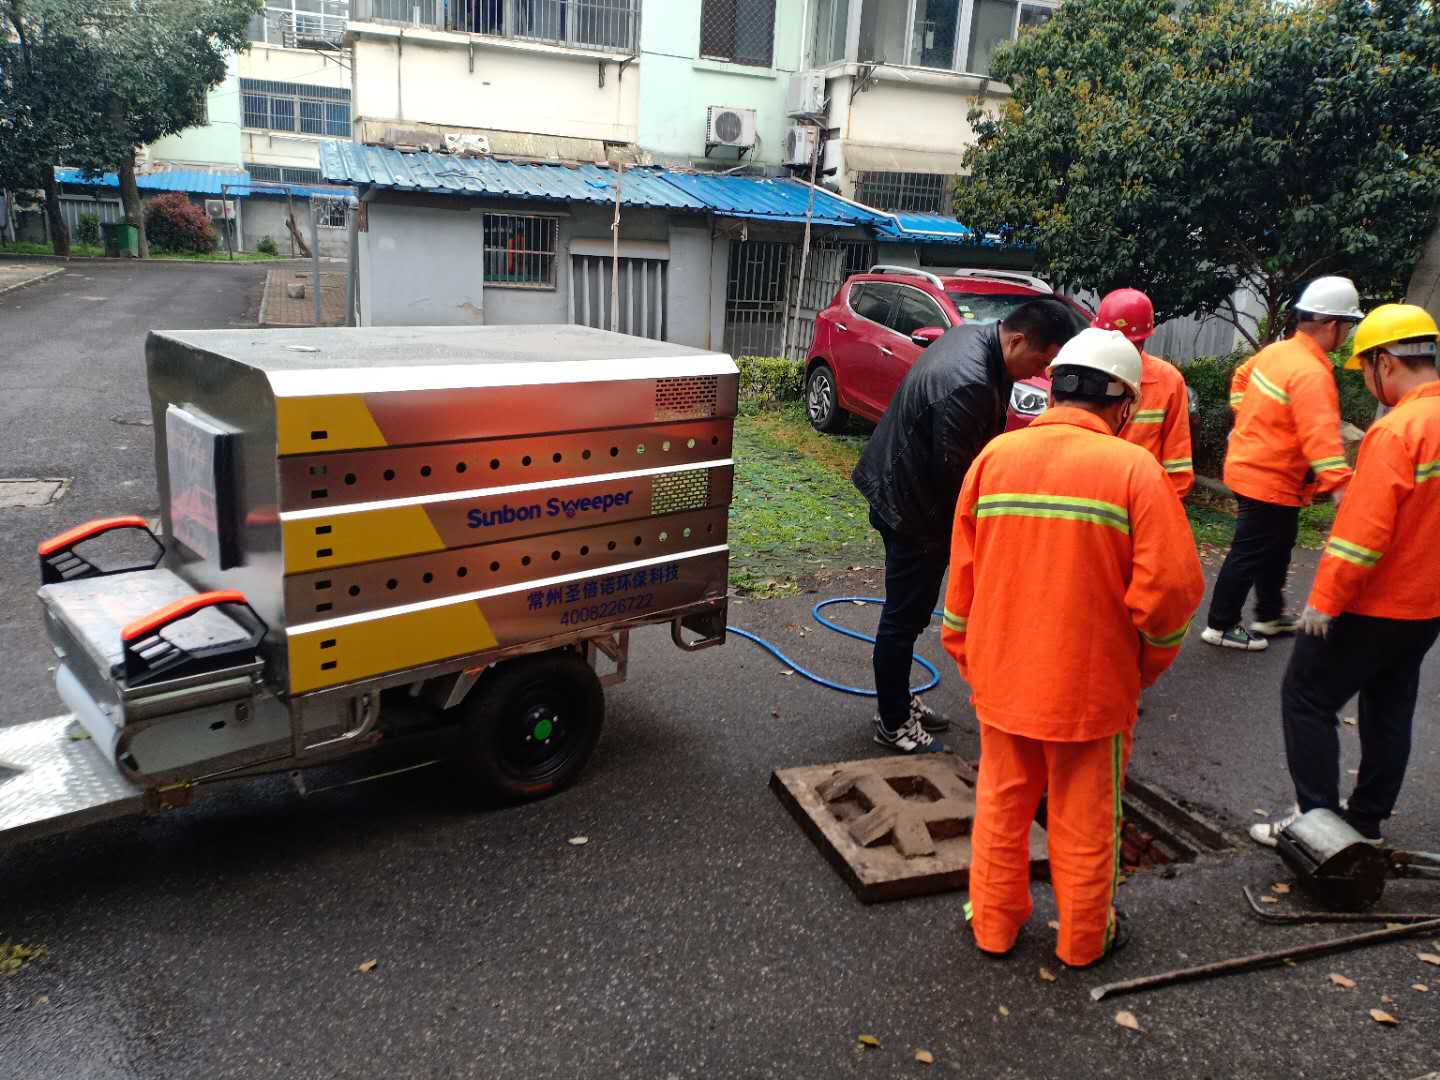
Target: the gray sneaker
(1268, 833)
(1237, 637)
(929, 719)
(1285, 624)
(910, 739)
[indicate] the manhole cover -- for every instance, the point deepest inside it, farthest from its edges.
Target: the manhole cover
(894, 827)
(30, 494)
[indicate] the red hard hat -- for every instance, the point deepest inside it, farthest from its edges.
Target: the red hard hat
(1130, 312)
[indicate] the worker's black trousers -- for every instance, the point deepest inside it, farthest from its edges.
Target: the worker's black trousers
(1379, 659)
(1259, 557)
(912, 589)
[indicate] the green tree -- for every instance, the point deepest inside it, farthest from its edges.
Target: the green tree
(1194, 148)
(134, 70)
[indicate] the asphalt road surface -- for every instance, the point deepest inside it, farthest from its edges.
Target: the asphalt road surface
(697, 933)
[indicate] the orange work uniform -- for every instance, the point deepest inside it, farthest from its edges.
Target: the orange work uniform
(1240, 382)
(1161, 421)
(1380, 559)
(1073, 579)
(1286, 444)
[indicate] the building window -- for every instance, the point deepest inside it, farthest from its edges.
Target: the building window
(330, 213)
(520, 250)
(283, 174)
(949, 35)
(832, 20)
(308, 110)
(300, 23)
(739, 31)
(907, 192)
(612, 25)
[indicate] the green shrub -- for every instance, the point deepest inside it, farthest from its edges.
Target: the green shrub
(771, 378)
(88, 230)
(266, 246)
(174, 223)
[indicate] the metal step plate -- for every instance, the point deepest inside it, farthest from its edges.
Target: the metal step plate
(54, 778)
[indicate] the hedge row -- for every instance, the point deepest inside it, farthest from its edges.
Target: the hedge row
(771, 378)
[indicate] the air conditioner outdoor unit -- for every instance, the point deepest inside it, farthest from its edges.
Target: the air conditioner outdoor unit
(730, 127)
(217, 208)
(799, 144)
(806, 94)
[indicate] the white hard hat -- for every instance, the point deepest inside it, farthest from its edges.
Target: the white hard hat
(1107, 351)
(1336, 297)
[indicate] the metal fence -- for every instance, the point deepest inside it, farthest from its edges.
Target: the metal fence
(300, 23)
(762, 284)
(283, 174)
(72, 210)
(905, 192)
(642, 295)
(739, 31)
(610, 25)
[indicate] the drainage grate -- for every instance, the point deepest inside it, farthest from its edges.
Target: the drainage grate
(31, 494)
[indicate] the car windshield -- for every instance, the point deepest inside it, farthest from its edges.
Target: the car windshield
(977, 307)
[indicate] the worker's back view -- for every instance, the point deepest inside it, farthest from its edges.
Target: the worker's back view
(1101, 618)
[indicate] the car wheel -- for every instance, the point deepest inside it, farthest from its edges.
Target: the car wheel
(531, 725)
(822, 403)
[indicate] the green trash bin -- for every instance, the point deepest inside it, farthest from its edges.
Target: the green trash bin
(121, 239)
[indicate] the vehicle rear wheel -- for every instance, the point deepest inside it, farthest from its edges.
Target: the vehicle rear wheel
(531, 725)
(822, 400)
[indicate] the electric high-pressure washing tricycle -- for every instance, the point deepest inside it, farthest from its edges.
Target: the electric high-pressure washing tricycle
(459, 524)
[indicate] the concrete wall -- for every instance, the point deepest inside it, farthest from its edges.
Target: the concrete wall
(410, 74)
(677, 86)
(421, 264)
(265, 216)
(305, 66)
(216, 143)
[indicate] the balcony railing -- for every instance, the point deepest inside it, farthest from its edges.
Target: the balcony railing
(300, 23)
(608, 25)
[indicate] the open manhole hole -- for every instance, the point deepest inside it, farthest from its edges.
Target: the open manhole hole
(30, 494)
(900, 827)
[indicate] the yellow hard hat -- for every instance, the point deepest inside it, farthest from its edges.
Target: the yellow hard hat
(1388, 324)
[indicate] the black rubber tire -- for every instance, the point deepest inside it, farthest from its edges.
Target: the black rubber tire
(514, 717)
(822, 400)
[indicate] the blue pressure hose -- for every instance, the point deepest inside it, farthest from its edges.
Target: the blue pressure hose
(847, 632)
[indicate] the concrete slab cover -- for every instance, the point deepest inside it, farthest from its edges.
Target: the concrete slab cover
(30, 494)
(894, 827)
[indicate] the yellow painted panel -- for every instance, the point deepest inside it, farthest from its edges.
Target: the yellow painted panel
(358, 537)
(362, 650)
(344, 418)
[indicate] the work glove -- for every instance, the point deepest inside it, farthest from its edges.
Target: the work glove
(1314, 623)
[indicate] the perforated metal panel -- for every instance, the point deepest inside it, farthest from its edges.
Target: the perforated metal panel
(680, 491)
(686, 399)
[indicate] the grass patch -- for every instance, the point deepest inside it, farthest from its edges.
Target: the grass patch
(795, 511)
(92, 251)
(1212, 521)
(80, 251)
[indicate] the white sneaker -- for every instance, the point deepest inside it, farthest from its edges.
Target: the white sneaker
(1268, 832)
(1237, 637)
(910, 739)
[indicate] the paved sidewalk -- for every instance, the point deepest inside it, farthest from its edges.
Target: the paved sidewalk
(15, 275)
(279, 309)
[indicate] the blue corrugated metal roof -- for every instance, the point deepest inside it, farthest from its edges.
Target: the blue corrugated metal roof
(191, 181)
(351, 163)
(769, 199)
(925, 228)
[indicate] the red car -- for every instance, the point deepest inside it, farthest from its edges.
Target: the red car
(874, 329)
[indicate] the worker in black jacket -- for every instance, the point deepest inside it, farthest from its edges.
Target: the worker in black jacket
(950, 404)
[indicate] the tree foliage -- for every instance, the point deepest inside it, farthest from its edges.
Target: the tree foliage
(1193, 148)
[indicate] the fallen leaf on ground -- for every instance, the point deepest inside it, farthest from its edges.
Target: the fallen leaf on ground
(43, 999)
(1046, 975)
(1258, 812)
(1387, 1000)
(1352, 721)
(787, 671)
(14, 957)
(870, 1041)
(925, 1057)
(1054, 924)
(1127, 1020)
(579, 841)
(1420, 988)
(1280, 888)
(1429, 958)
(368, 966)
(1342, 981)
(1004, 1011)
(1380, 1016)
(1393, 925)
(1269, 899)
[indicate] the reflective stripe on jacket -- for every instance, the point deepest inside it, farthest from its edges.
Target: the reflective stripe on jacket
(1380, 559)
(1161, 421)
(1073, 579)
(1239, 382)
(1286, 444)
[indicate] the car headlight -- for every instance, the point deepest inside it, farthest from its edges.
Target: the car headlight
(1028, 400)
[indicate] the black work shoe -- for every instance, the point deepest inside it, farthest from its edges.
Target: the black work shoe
(929, 719)
(1118, 941)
